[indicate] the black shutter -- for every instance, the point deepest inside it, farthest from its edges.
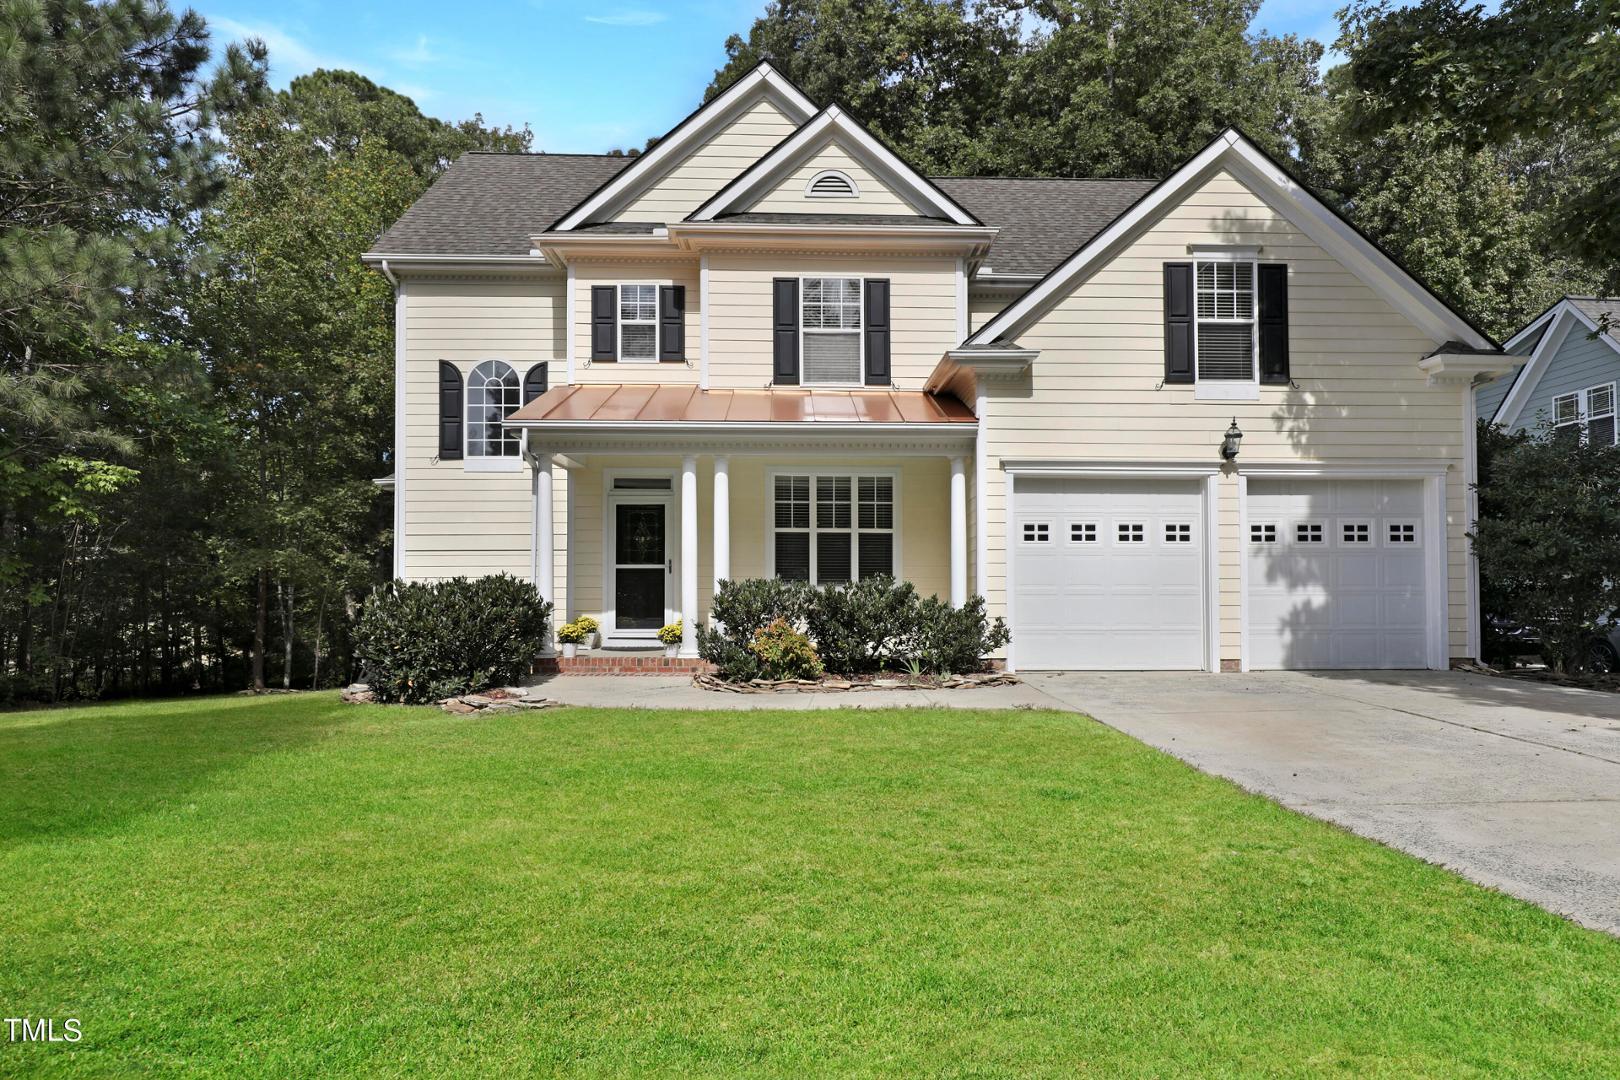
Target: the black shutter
(535, 383)
(449, 412)
(785, 331)
(877, 332)
(1178, 322)
(1274, 324)
(672, 322)
(604, 322)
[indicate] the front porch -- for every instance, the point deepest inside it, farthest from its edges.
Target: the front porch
(636, 523)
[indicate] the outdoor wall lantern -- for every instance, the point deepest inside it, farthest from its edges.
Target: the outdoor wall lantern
(1229, 445)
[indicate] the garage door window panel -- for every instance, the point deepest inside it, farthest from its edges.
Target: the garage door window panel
(1308, 532)
(1355, 533)
(1083, 532)
(1402, 532)
(1178, 533)
(1263, 532)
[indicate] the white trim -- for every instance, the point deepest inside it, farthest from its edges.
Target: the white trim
(1437, 586)
(958, 512)
(1228, 389)
(860, 331)
(693, 131)
(688, 562)
(1111, 470)
(721, 515)
(1212, 573)
(543, 545)
(1243, 571)
(810, 191)
(571, 317)
(961, 300)
(397, 261)
(400, 469)
(832, 122)
(853, 473)
(489, 463)
(672, 510)
(781, 429)
(703, 322)
(1009, 561)
(981, 499)
(1524, 388)
(1471, 518)
(619, 323)
(572, 603)
(1410, 469)
(1232, 151)
(1552, 312)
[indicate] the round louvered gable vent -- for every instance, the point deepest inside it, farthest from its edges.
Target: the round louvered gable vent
(832, 184)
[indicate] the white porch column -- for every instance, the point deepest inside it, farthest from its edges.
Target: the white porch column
(959, 530)
(545, 536)
(689, 555)
(722, 520)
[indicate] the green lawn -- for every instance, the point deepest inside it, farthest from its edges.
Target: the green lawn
(294, 887)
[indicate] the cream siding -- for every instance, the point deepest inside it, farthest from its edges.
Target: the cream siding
(986, 304)
(789, 196)
(458, 521)
(922, 311)
(588, 273)
(1094, 393)
(712, 165)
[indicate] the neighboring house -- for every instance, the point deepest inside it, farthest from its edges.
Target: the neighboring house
(768, 347)
(1567, 365)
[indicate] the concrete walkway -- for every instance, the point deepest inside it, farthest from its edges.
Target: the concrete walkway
(1515, 785)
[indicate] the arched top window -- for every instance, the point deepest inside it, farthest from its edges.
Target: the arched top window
(493, 392)
(832, 184)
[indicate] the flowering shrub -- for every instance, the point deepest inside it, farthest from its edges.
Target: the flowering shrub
(784, 653)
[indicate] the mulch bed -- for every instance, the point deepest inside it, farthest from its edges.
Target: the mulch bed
(858, 683)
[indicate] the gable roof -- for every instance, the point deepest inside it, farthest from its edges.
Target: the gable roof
(490, 204)
(833, 124)
(1041, 221)
(1233, 151)
(1550, 329)
(760, 80)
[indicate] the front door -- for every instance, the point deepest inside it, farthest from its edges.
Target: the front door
(640, 567)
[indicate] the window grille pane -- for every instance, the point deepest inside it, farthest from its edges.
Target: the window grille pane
(832, 502)
(831, 358)
(877, 502)
(1566, 409)
(793, 556)
(792, 502)
(1225, 351)
(638, 342)
(832, 303)
(1600, 431)
(638, 303)
(832, 557)
(877, 554)
(493, 392)
(1600, 401)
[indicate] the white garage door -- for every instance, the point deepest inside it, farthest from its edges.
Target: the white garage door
(1108, 575)
(1336, 574)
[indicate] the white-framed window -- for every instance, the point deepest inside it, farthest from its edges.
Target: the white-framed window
(494, 391)
(1263, 533)
(1599, 417)
(833, 527)
(1082, 532)
(638, 323)
(1225, 333)
(831, 349)
(832, 184)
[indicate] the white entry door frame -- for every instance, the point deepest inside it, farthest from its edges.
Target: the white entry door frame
(638, 487)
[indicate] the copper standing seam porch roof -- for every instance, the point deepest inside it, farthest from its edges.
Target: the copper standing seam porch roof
(616, 403)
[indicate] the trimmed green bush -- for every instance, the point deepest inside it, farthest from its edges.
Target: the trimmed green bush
(863, 626)
(418, 643)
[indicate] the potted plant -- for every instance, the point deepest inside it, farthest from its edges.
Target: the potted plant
(593, 631)
(670, 635)
(570, 634)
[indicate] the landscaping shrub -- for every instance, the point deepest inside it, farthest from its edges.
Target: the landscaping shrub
(785, 653)
(858, 628)
(419, 643)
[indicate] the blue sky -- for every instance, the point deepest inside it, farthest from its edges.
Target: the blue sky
(584, 76)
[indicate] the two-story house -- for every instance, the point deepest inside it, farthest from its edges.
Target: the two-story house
(1567, 365)
(769, 347)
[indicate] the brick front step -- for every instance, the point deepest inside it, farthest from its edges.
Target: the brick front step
(609, 663)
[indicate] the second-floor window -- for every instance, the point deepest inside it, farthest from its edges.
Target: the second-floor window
(638, 322)
(1589, 413)
(493, 392)
(831, 329)
(1224, 333)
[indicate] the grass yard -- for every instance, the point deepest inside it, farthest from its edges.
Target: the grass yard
(290, 886)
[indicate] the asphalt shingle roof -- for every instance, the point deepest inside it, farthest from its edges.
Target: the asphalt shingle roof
(490, 204)
(1042, 222)
(1599, 309)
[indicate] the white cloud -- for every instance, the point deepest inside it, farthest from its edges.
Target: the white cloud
(288, 55)
(417, 55)
(629, 18)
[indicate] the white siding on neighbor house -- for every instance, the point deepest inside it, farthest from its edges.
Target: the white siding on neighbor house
(1094, 392)
(922, 311)
(788, 197)
(598, 272)
(457, 521)
(1581, 361)
(711, 165)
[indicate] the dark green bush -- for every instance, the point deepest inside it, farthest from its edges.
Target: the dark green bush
(868, 626)
(419, 643)
(784, 652)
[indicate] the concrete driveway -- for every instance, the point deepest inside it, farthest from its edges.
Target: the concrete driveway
(1515, 785)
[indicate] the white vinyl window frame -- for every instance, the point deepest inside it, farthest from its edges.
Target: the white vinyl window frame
(620, 322)
(854, 477)
(859, 381)
(1228, 389)
(1598, 403)
(476, 454)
